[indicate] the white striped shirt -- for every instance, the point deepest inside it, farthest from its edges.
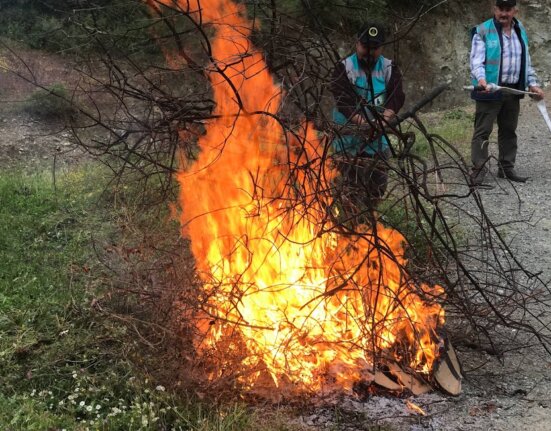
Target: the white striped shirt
(511, 58)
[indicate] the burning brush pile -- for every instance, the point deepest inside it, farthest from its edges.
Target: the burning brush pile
(290, 302)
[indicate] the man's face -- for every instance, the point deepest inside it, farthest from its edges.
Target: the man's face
(505, 14)
(368, 53)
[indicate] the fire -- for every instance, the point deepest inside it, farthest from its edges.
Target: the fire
(414, 408)
(301, 305)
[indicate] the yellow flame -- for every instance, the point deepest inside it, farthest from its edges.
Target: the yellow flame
(306, 305)
(415, 408)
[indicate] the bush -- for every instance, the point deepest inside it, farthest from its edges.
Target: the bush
(343, 16)
(458, 114)
(53, 102)
(78, 26)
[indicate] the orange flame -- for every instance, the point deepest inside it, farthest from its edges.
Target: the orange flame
(414, 408)
(307, 305)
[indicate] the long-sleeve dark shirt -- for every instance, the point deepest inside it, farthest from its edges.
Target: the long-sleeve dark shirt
(348, 101)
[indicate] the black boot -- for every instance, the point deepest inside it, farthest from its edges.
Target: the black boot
(477, 177)
(510, 174)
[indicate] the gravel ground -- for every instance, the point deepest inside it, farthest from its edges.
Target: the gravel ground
(530, 201)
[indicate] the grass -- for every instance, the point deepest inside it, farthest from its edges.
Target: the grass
(455, 126)
(64, 364)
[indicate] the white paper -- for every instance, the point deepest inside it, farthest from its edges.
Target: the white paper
(543, 110)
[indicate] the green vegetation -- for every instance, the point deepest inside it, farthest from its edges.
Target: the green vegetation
(83, 26)
(77, 26)
(340, 15)
(53, 102)
(65, 363)
(455, 126)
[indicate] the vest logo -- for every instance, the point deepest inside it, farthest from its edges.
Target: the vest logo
(492, 44)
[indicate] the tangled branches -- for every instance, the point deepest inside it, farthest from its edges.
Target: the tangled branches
(300, 280)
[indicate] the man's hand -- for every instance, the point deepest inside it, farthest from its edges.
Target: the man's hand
(539, 92)
(482, 83)
(389, 115)
(358, 119)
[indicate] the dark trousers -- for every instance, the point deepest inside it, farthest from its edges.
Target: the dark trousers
(506, 112)
(365, 178)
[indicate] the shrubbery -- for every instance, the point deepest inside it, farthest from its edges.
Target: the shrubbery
(76, 26)
(53, 102)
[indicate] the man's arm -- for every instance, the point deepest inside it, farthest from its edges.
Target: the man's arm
(532, 78)
(395, 93)
(477, 60)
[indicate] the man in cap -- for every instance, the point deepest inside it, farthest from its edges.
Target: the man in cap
(366, 87)
(499, 56)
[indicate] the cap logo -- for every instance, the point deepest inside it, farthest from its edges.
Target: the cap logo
(373, 31)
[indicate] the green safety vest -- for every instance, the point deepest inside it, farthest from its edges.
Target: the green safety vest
(380, 75)
(491, 37)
